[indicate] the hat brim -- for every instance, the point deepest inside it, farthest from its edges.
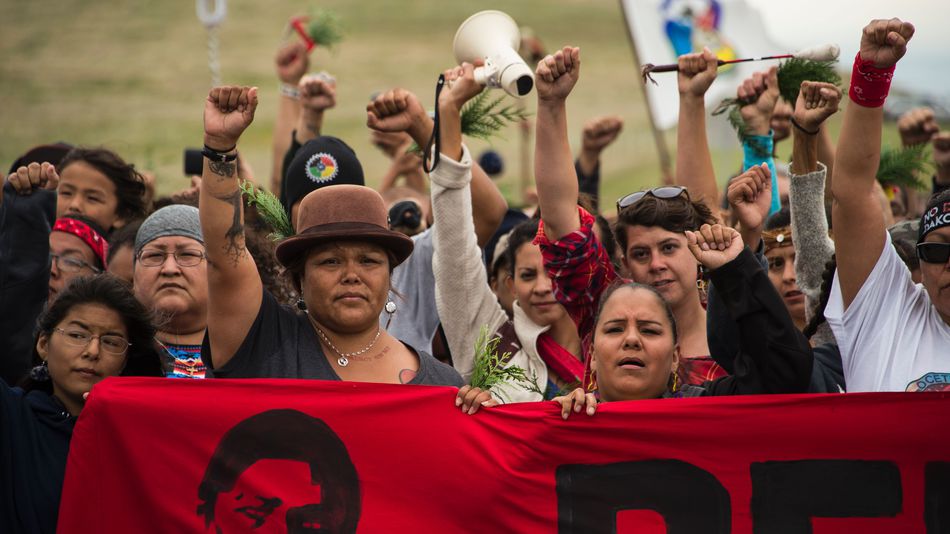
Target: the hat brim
(291, 248)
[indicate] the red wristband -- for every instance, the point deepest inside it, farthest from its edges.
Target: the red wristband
(869, 84)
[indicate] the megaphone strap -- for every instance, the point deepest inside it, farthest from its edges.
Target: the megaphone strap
(434, 140)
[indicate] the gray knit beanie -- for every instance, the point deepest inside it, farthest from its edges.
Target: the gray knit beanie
(177, 219)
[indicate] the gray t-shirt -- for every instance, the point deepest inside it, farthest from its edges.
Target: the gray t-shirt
(416, 318)
(281, 343)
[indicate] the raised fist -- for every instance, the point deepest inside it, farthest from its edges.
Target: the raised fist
(34, 176)
(229, 110)
(758, 96)
(696, 73)
(317, 92)
(557, 74)
(715, 245)
(750, 195)
(396, 110)
(942, 151)
(600, 132)
(292, 62)
(460, 87)
(884, 42)
(917, 126)
(816, 102)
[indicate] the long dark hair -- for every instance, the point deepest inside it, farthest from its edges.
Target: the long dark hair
(142, 358)
(827, 277)
(129, 183)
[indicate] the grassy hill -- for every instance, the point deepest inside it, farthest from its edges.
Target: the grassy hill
(132, 75)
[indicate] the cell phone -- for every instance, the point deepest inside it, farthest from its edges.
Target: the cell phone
(194, 162)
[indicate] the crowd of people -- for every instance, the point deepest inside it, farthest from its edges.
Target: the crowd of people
(807, 277)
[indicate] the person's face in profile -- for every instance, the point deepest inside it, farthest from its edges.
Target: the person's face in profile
(273, 496)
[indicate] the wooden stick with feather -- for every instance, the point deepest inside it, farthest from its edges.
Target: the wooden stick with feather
(828, 52)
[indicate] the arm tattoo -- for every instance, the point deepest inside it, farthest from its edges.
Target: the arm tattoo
(222, 169)
(235, 246)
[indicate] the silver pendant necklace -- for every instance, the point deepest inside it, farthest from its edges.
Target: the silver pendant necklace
(343, 359)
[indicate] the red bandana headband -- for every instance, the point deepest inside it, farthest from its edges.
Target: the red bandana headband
(83, 231)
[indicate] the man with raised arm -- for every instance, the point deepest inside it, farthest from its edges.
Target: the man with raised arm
(893, 335)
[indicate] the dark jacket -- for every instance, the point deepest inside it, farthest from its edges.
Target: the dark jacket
(25, 225)
(722, 333)
(35, 430)
(771, 354)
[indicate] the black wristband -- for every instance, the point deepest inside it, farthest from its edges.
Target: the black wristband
(221, 156)
(799, 126)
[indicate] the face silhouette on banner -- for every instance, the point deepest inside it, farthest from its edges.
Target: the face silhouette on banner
(280, 471)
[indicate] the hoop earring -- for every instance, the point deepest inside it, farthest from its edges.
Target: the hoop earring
(701, 284)
(674, 382)
(592, 387)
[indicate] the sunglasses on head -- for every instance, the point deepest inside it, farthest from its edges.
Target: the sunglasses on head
(664, 192)
(933, 252)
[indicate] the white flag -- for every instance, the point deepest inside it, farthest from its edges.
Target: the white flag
(664, 29)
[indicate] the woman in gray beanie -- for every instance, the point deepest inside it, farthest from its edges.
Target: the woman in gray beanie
(170, 277)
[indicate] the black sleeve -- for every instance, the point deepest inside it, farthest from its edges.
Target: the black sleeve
(827, 375)
(262, 340)
(589, 184)
(25, 224)
(773, 357)
(288, 158)
(722, 333)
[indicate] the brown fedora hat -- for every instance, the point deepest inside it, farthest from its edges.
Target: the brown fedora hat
(343, 213)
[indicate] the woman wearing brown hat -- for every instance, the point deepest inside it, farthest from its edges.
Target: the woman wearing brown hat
(340, 261)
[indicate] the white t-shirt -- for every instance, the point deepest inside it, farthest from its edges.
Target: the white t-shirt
(891, 337)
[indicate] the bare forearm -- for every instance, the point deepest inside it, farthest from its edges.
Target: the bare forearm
(694, 167)
(287, 112)
(488, 205)
(309, 125)
(804, 152)
(588, 160)
(222, 214)
(858, 153)
(554, 171)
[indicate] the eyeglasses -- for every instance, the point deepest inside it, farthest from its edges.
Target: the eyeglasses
(71, 264)
(933, 252)
(109, 342)
(184, 258)
(664, 192)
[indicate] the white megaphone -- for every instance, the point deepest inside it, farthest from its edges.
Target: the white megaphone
(494, 37)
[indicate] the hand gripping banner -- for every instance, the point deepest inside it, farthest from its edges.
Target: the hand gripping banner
(156, 455)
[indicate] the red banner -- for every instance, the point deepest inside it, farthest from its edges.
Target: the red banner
(157, 455)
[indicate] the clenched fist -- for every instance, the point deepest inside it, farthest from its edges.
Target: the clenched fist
(229, 110)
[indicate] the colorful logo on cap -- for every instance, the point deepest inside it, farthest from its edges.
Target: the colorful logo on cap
(322, 167)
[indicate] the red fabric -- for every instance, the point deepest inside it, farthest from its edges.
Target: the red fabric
(697, 370)
(137, 460)
(567, 366)
(98, 243)
(869, 84)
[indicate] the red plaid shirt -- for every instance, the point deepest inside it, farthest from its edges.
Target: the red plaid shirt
(580, 271)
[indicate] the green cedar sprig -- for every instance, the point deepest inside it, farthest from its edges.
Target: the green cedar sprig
(270, 209)
(491, 368)
(324, 28)
(902, 166)
(483, 117)
(791, 74)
